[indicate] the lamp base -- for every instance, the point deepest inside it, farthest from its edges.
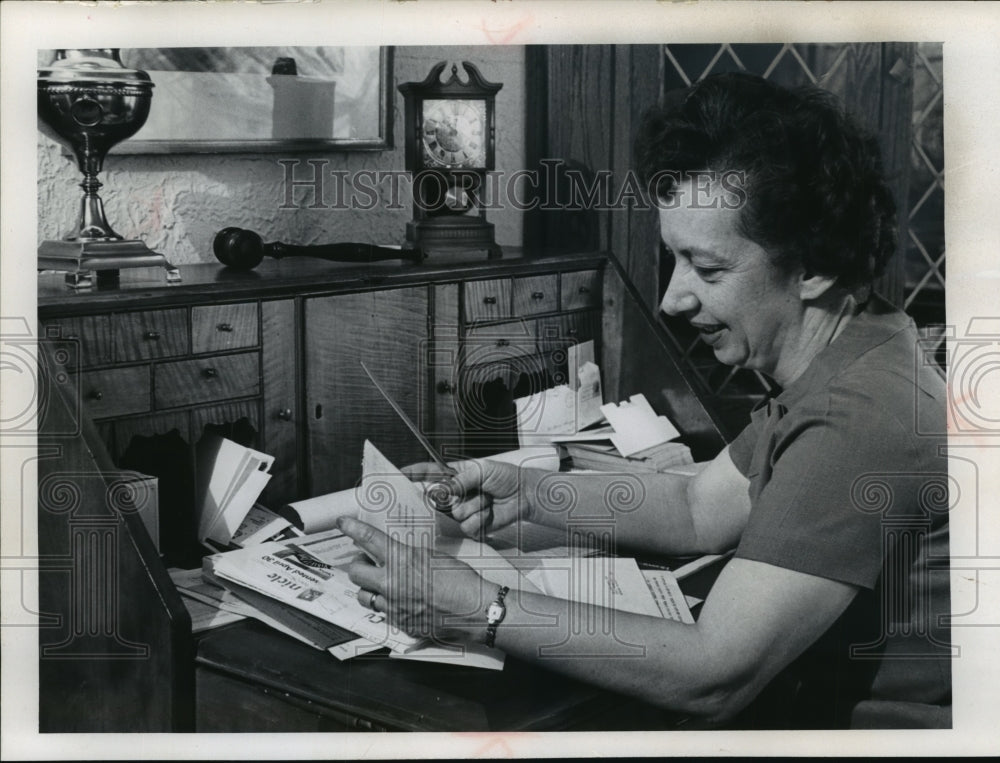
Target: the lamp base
(90, 263)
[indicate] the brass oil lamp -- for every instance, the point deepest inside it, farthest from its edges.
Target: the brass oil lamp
(89, 101)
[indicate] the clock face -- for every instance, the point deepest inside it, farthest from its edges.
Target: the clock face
(454, 133)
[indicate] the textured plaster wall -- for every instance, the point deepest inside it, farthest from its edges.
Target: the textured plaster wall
(177, 203)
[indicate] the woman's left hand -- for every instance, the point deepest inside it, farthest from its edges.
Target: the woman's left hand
(420, 593)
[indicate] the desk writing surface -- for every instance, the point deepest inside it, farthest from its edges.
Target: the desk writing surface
(408, 695)
(376, 691)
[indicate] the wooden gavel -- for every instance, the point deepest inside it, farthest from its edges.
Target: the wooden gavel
(244, 250)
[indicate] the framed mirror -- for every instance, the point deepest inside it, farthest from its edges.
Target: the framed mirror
(259, 99)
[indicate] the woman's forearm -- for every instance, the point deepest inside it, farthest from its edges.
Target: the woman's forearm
(649, 512)
(657, 661)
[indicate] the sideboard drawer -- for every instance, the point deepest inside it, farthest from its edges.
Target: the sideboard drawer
(560, 331)
(223, 327)
(487, 300)
(536, 294)
(499, 342)
(581, 289)
(115, 391)
(186, 382)
(149, 334)
(90, 333)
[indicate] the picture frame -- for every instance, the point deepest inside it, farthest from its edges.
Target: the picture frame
(236, 100)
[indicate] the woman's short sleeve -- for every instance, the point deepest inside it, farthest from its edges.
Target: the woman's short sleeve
(807, 471)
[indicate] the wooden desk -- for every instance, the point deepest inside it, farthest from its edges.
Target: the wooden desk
(252, 678)
(269, 358)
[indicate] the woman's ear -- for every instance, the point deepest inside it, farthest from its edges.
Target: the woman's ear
(814, 285)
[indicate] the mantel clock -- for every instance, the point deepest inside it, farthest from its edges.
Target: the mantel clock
(450, 146)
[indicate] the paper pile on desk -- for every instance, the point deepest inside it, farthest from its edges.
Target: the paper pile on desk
(308, 576)
(636, 425)
(232, 477)
(566, 408)
(633, 437)
(209, 606)
(636, 439)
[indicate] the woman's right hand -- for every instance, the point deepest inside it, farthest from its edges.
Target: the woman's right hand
(488, 494)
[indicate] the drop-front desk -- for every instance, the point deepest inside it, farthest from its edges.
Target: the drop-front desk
(134, 376)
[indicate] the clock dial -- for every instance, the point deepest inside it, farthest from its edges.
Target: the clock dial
(453, 133)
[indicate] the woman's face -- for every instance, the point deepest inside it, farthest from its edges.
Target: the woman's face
(746, 308)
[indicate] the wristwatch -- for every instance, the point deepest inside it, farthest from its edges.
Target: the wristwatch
(495, 613)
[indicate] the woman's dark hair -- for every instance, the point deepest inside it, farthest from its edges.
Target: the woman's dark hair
(815, 190)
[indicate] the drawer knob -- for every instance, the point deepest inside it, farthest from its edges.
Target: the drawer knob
(445, 388)
(151, 335)
(285, 414)
(96, 395)
(573, 331)
(503, 342)
(72, 337)
(584, 290)
(209, 373)
(227, 327)
(538, 295)
(489, 300)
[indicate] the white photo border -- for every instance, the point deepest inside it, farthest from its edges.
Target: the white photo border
(969, 31)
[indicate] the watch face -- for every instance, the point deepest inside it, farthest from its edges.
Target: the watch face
(454, 133)
(495, 613)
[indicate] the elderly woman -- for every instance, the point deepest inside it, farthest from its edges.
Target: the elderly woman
(774, 207)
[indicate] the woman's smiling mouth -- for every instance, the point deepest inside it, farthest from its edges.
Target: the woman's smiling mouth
(709, 332)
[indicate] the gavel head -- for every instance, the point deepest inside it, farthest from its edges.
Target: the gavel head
(238, 248)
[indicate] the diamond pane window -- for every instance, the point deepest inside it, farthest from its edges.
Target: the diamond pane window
(924, 245)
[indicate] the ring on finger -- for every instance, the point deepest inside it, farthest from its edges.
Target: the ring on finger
(367, 598)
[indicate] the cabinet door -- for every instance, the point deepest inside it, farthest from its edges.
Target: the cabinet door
(443, 359)
(281, 412)
(388, 331)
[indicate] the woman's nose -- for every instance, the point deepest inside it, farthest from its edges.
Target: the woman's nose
(678, 299)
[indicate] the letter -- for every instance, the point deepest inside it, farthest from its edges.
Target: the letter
(632, 190)
(340, 189)
(672, 201)
(491, 198)
(420, 196)
(532, 180)
(468, 182)
(551, 185)
(291, 183)
(393, 176)
(365, 184)
(700, 190)
(583, 196)
(734, 183)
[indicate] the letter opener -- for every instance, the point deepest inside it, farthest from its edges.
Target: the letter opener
(442, 497)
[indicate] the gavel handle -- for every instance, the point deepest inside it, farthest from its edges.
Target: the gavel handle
(343, 252)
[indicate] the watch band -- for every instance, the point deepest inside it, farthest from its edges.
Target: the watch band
(495, 613)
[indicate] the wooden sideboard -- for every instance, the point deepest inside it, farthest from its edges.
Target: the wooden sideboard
(271, 358)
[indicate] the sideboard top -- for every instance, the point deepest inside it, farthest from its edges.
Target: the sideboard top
(147, 287)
